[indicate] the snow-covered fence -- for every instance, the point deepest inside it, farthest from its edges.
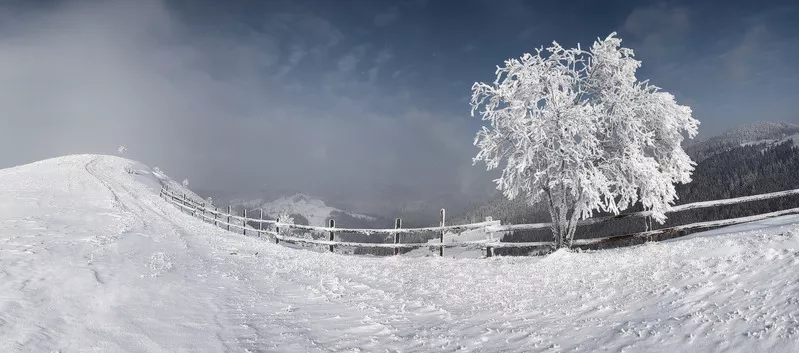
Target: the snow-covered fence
(201, 209)
(642, 214)
(210, 214)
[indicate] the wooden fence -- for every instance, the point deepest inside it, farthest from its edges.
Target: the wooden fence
(229, 221)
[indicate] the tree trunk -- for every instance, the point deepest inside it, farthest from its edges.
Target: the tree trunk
(564, 222)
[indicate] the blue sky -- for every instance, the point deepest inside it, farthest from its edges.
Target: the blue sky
(352, 96)
(728, 62)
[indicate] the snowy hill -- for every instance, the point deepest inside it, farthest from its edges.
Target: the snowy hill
(751, 134)
(92, 260)
(311, 208)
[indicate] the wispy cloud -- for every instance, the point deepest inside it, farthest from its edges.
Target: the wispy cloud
(387, 17)
(383, 56)
(349, 61)
(658, 29)
(740, 60)
(295, 56)
(510, 8)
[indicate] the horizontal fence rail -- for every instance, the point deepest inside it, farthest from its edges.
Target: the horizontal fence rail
(230, 221)
(653, 234)
(641, 214)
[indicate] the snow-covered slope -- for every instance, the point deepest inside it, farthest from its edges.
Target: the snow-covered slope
(92, 260)
(751, 134)
(311, 208)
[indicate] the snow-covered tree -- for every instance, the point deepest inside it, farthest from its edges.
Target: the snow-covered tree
(576, 129)
(122, 150)
(185, 183)
(285, 218)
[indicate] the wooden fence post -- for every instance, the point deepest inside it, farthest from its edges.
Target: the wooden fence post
(260, 224)
(331, 224)
(441, 235)
(244, 222)
(277, 231)
(229, 211)
(489, 250)
(216, 210)
(397, 225)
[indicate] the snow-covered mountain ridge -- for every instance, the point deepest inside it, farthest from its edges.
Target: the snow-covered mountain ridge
(315, 210)
(750, 134)
(793, 138)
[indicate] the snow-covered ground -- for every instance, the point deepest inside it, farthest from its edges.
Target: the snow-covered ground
(92, 260)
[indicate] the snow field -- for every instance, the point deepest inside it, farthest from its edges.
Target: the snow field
(92, 260)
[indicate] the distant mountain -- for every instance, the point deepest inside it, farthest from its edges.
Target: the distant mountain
(314, 210)
(417, 206)
(751, 134)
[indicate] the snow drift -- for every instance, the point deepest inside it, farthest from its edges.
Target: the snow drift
(91, 259)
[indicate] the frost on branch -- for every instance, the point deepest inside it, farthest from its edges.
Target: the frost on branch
(575, 129)
(284, 218)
